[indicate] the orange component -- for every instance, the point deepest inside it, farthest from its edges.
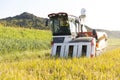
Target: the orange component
(97, 45)
(86, 33)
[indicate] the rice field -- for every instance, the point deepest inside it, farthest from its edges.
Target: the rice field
(27, 57)
(104, 67)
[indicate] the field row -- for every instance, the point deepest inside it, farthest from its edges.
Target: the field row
(104, 67)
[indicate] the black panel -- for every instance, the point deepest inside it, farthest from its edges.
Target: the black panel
(58, 39)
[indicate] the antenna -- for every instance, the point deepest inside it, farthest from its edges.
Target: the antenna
(82, 18)
(83, 10)
(83, 15)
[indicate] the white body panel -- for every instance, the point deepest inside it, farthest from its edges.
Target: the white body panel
(77, 49)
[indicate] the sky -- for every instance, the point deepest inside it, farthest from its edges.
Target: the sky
(100, 14)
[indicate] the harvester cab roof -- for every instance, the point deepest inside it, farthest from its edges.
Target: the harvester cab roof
(64, 24)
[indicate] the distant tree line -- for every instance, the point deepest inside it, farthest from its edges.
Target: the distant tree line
(25, 20)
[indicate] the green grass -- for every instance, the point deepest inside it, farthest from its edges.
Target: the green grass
(21, 39)
(114, 41)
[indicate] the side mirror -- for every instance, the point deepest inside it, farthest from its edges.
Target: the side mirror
(46, 22)
(95, 33)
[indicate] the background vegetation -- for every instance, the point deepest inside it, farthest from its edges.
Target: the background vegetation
(25, 20)
(21, 39)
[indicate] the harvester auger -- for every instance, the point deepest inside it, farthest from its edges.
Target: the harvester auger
(71, 37)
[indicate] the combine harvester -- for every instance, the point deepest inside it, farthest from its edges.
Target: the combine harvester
(71, 37)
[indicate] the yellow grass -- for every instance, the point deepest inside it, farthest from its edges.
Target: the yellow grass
(39, 65)
(104, 67)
